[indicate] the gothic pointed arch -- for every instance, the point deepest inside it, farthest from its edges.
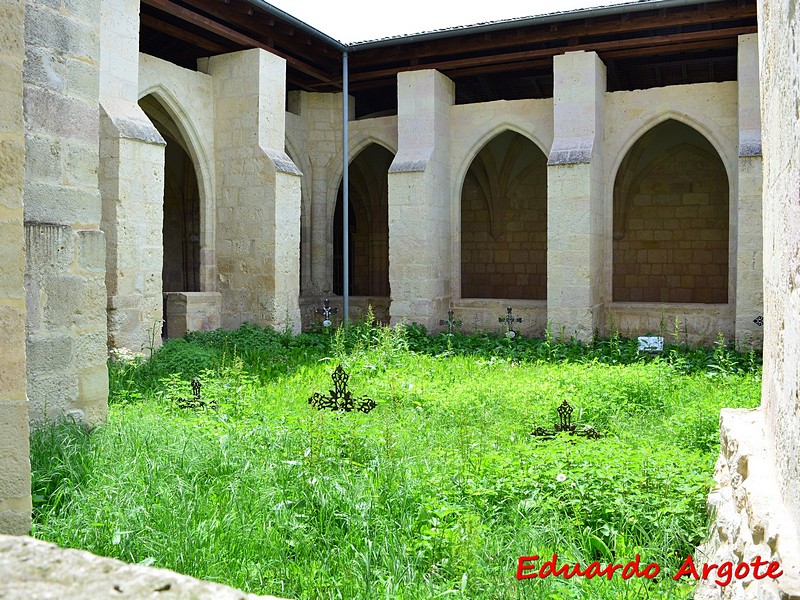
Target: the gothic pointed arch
(368, 224)
(504, 221)
(671, 219)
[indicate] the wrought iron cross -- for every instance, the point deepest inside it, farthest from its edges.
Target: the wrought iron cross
(565, 425)
(326, 311)
(509, 321)
(451, 322)
(195, 401)
(340, 398)
(759, 320)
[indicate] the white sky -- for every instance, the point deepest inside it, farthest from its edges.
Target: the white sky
(359, 20)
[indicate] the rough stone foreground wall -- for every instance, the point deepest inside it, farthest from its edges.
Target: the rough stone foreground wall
(66, 297)
(780, 114)
(757, 504)
(31, 568)
(15, 489)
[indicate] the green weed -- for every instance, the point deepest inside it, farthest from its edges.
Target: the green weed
(435, 493)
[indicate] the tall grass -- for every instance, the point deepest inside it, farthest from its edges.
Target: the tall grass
(436, 493)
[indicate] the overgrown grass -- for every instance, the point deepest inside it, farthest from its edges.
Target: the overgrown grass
(436, 493)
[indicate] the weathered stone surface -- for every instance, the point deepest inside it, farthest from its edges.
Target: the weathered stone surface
(32, 568)
(749, 518)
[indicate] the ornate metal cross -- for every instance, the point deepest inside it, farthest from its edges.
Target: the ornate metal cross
(451, 322)
(195, 401)
(326, 311)
(340, 398)
(565, 425)
(509, 321)
(759, 320)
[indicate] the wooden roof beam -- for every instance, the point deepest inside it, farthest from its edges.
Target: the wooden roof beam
(718, 12)
(183, 35)
(234, 36)
(656, 42)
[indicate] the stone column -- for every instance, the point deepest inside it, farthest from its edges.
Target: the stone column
(575, 301)
(65, 262)
(749, 256)
(258, 200)
(322, 116)
(15, 482)
(132, 186)
(419, 200)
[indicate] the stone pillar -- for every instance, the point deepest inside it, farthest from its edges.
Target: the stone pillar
(749, 256)
(756, 503)
(131, 185)
(258, 200)
(322, 116)
(780, 96)
(15, 482)
(419, 200)
(65, 262)
(575, 269)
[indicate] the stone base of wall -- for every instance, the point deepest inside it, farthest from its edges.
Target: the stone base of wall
(192, 311)
(749, 519)
(359, 307)
(482, 316)
(697, 324)
(31, 568)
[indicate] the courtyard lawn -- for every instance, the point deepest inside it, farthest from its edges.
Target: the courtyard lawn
(434, 494)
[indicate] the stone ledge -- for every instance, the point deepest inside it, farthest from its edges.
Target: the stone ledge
(31, 569)
(749, 519)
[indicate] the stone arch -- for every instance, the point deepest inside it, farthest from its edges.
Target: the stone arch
(485, 138)
(189, 139)
(368, 224)
(696, 123)
(671, 204)
(504, 220)
(336, 169)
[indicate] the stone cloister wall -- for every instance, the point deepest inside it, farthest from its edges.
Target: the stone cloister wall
(438, 141)
(756, 503)
(94, 190)
(65, 260)
(15, 489)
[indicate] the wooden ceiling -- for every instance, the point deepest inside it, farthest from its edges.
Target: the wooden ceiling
(695, 42)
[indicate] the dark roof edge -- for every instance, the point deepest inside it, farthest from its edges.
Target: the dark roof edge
(580, 13)
(302, 25)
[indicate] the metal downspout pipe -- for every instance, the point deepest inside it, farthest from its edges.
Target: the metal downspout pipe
(345, 195)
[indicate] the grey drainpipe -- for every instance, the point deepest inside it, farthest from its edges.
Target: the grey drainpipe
(345, 195)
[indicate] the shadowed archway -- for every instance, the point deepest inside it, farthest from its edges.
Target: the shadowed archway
(671, 218)
(368, 225)
(504, 221)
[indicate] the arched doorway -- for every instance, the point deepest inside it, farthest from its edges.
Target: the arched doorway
(368, 225)
(671, 240)
(504, 221)
(181, 228)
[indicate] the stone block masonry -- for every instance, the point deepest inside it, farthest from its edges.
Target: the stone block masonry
(132, 187)
(15, 489)
(756, 505)
(575, 187)
(258, 193)
(419, 200)
(64, 272)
